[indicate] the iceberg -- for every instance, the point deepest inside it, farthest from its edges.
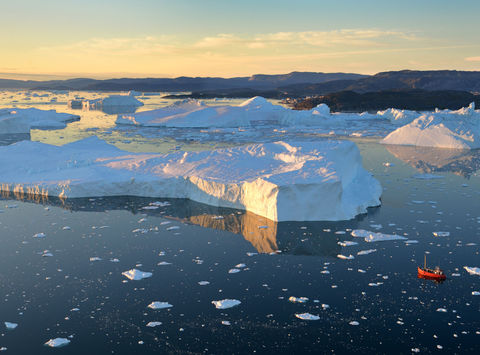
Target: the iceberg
(15, 120)
(398, 117)
(57, 342)
(441, 129)
(253, 112)
(112, 100)
(281, 181)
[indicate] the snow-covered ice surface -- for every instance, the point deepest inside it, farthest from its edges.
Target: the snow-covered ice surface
(373, 303)
(16, 120)
(136, 275)
(441, 129)
(280, 181)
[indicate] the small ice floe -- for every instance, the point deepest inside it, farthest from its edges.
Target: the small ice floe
(306, 316)
(353, 322)
(163, 263)
(173, 228)
(240, 266)
(159, 305)
(443, 310)
(415, 350)
(472, 270)
(140, 230)
(361, 271)
(441, 234)
(226, 322)
(226, 303)
(165, 223)
(340, 232)
(374, 236)
(388, 164)
(114, 260)
(57, 342)
(153, 324)
(455, 274)
(203, 283)
(66, 228)
(375, 284)
(324, 272)
(136, 275)
(160, 204)
(142, 220)
(149, 207)
(95, 258)
(475, 293)
(46, 253)
(3, 348)
(366, 252)
(233, 271)
(74, 309)
(11, 326)
(411, 241)
(347, 243)
(341, 256)
(325, 306)
(298, 299)
(39, 235)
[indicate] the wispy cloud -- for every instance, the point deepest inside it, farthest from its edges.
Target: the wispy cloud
(472, 59)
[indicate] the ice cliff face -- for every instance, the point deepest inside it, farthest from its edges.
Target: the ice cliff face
(441, 129)
(280, 181)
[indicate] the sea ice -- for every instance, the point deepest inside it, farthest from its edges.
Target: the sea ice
(159, 305)
(298, 299)
(441, 129)
(226, 303)
(366, 252)
(306, 316)
(398, 117)
(375, 237)
(472, 270)
(15, 120)
(347, 243)
(57, 342)
(10, 326)
(280, 181)
(349, 257)
(153, 324)
(441, 234)
(136, 275)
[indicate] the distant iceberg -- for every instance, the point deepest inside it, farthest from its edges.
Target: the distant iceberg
(441, 129)
(15, 120)
(280, 181)
(112, 104)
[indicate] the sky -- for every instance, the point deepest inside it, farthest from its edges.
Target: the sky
(156, 38)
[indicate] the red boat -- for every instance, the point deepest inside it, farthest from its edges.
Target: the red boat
(430, 274)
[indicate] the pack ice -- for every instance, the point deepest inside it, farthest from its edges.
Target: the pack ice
(15, 120)
(441, 129)
(281, 181)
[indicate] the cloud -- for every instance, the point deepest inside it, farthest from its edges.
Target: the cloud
(221, 40)
(472, 59)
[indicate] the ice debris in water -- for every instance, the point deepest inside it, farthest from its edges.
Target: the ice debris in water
(233, 271)
(39, 235)
(443, 310)
(298, 299)
(374, 236)
(136, 275)
(203, 283)
(347, 243)
(226, 322)
(366, 252)
(441, 234)
(353, 322)
(226, 303)
(472, 270)
(475, 293)
(306, 316)
(57, 342)
(153, 324)
(349, 257)
(10, 326)
(159, 305)
(95, 258)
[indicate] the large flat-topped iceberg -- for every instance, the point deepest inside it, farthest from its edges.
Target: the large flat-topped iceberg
(280, 181)
(15, 120)
(441, 129)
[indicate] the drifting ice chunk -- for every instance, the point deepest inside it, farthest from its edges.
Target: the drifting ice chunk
(398, 117)
(347, 243)
(472, 270)
(441, 129)
(153, 324)
(441, 234)
(14, 120)
(306, 316)
(136, 275)
(350, 257)
(57, 342)
(282, 182)
(11, 326)
(366, 252)
(375, 237)
(226, 303)
(159, 305)
(298, 299)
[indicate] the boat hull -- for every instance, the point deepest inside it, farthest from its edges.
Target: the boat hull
(423, 274)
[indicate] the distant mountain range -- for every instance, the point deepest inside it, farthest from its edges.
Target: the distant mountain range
(255, 82)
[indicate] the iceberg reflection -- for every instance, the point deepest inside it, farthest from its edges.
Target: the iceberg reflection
(435, 160)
